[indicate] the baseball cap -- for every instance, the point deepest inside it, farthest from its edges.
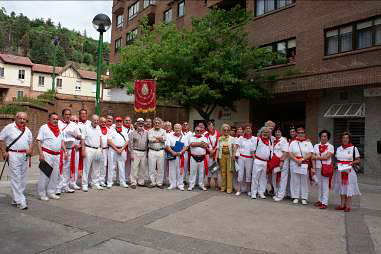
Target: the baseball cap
(118, 118)
(140, 120)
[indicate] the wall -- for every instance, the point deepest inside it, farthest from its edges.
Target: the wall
(241, 116)
(117, 94)
(47, 82)
(11, 74)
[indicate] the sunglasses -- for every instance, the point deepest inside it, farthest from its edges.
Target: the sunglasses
(119, 120)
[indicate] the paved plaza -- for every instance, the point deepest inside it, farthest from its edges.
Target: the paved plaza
(154, 221)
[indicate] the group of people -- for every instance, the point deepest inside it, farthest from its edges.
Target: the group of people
(76, 153)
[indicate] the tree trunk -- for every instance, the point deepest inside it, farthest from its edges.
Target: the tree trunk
(205, 113)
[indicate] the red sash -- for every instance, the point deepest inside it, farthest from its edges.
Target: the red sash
(344, 175)
(246, 156)
(215, 145)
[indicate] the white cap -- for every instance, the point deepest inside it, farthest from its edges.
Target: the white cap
(140, 120)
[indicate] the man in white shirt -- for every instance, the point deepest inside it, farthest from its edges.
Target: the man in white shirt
(156, 142)
(199, 146)
(78, 150)
(109, 121)
(70, 132)
(118, 142)
(16, 147)
(104, 135)
(187, 133)
(93, 153)
(129, 127)
(51, 148)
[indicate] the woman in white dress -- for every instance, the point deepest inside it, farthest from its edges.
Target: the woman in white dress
(346, 184)
(300, 152)
(323, 153)
(280, 173)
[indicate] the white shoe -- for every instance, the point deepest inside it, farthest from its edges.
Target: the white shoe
(23, 206)
(171, 188)
(276, 199)
(203, 188)
(69, 190)
(181, 188)
(295, 201)
(249, 194)
(254, 196)
(109, 186)
(44, 198)
(124, 185)
(54, 196)
(13, 203)
(75, 186)
(103, 184)
(190, 188)
(262, 196)
(85, 188)
(304, 202)
(238, 193)
(98, 187)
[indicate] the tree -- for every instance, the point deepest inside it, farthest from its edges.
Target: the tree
(205, 67)
(88, 58)
(77, 56)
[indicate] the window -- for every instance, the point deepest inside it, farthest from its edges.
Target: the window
(285, 51)
(19, 94)
(148, 3)
(168, 16)
(133, 10)
(41, 80)
(21, 74)
(132, 35)
(358, 35)
(59, 83)
(1, 72)
(180, 9)
(119, 21)
(118, 44)
(78, 85)
(264, 6)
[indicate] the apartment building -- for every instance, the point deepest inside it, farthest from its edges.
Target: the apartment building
(331, 78)
(20, 77)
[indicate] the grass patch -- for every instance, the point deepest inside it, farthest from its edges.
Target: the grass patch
(10, 109)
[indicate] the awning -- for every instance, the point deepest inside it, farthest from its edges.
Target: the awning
(347, 110)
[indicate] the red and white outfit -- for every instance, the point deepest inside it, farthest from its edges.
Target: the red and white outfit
(323, 182)
(197, 168)
(51, 147)
(18, 161)
(346, 182)
(103, 168)
(176, 166)
(187, 135)
(119, 139)
(263, 153)
(245, 163)
(299, 179)
(128, 130)
(213, 141)
(280, 146)
(69, 132)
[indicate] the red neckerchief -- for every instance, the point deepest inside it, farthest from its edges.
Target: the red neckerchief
(291, 139)
(104, 130)
(347, 145)
(128, 126)
(118, 129)
(265, 140)
(147, 129)
(83, 121)
(276, 141)
(168, 131)
(177, 134)
(198, 135)
(247, 136)
(21, 128)
(301, 139)
(54, 129)
(322, 148)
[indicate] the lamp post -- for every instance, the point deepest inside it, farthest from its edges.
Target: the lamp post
(101, 23)
(55, 42)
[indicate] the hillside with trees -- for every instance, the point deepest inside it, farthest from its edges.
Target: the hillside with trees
(33, 38)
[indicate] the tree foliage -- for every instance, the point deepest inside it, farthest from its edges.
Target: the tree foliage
(33, 37)
(205, 67)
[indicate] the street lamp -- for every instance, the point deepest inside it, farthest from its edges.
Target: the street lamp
(55, 42)
(101, 23)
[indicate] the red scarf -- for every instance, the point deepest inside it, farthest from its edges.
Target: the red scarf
(301, 139)
(347, 145)
(168, 131)
(118, 129)
(323, 148)
(177, 134)
(128, 126)
(83, 121)
(247, 136)
(276, 141)
(198, 135)
(265, 140)
(21, 128)
(104, 130)
(54, 129)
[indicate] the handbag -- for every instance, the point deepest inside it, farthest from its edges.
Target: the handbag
(355, 167)
(326, 169)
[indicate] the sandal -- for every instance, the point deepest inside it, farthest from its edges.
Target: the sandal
(340, 208)
(317, 204)
(323, 206)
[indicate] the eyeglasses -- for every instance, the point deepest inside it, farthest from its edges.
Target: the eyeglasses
(198, 131)
(300, 132)
(226, 129)
(76, 121)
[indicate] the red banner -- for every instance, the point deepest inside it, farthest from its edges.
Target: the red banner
(145, 95)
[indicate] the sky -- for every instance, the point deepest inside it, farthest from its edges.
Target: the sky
(76, 15)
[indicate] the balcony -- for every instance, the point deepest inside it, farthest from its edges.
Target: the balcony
(118, 7)
(226, 4)
(150, 12)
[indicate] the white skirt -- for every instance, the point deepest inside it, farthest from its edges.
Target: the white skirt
(352, 189)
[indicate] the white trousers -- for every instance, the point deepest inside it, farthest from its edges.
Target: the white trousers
(323, 187)
(74, 179)
(103, 167)
(18, 165)
(175, 176)
(280, 188)
(259, 177)
(156, 159)
(93, 159)
(128, 166)
(299, 185)
(48, 185)
(138, 168)
(196, 168)
(245, 166)
(65, 177)
(118, 160)
(186, 164)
